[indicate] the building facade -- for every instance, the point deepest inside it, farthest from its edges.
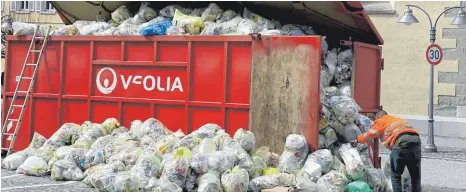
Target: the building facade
(405, 80)
(37, 12)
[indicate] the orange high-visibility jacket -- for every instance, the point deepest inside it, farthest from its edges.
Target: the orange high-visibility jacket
(387, 128)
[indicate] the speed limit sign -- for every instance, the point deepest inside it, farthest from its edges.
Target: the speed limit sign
(434, 54)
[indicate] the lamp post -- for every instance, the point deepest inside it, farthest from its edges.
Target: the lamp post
(408, 19)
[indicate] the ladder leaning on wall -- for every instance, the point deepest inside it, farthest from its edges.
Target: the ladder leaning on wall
(11, 122)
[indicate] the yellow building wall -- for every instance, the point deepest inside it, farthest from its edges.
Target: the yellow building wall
(405, 80)
(32, 16)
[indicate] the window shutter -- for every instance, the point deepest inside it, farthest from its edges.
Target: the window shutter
(31, 5)
(38, 7)
(13, 5)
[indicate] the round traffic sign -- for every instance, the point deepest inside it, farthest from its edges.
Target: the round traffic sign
(434, 54)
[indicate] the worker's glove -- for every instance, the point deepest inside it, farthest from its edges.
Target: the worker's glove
(354, 143)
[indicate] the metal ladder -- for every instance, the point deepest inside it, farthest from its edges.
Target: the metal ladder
(35, 65)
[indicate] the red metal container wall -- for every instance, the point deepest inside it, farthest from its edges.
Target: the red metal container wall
(183, 81)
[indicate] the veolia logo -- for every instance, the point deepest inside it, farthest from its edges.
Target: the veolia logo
(148, 82)
(106, 89)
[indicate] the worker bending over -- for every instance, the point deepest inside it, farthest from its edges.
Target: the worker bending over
(405, 145)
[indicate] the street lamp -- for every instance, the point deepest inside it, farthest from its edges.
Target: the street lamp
(408, 19)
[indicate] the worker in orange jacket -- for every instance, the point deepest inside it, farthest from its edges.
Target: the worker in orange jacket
(404, 142)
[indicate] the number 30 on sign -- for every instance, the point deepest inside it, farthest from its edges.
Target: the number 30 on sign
(434, 54)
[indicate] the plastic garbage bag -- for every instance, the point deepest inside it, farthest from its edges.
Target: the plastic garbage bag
(271, 159)
(34, 166)
(165, 144)
(331, 91)
(376, 179)
(148, 166)
(323, 157)
(110, 124)
(169, 11)
(291, 29)
(120, 14)
(325, 76)
(46, 152)
(350, 132)
(146, 12)
(338, 166)
(66, 134)
(93, 28)
(122, 181)
(235, 180)
(259, 166)
(135, 128)
(176, 169)
(366, 160)
(127, 30)
(247, 26)
(209, 181)
(20, 29)
(346, 110)
(66, 170)
(244, 160)
(212, 13)
(270, 171)
(308, 186)
(308, 30)
(226, 16)
(344, 89)
(93, 157)
(190, 141)
(173, 30)
(294, 154)
(192, 25)
(154, 128)
(262, 23)
(117, 145)
(311, 172)
(270, 181)
(37, 141)
(191, 181)
(156, 185)
(93, 173)
(323, 44)
(354, 165)
(101, 142)
(209, 159)
(68, 30)
(245, 139)
(179, 134)
(330, 136)
(128, 156)
(197, 12)
(220, 138)
(120, 130)
(358, 186)
(88, 137)
(13, 161)
(364, 123)
(344, 67)
(321, 142)
(59, 154)
(207, 131)
(333, 181)
(272, 32)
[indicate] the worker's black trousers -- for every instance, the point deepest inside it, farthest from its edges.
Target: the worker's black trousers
(409, 157)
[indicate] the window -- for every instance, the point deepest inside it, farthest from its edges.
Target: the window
(22, 6)
(45, 7)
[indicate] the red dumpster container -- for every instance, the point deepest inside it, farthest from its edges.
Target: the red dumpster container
(268, 85)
